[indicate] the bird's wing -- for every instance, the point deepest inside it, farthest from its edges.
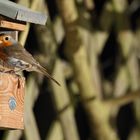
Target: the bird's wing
(18, 52)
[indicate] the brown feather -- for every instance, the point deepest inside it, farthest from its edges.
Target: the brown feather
(18, 52)
(42, 70)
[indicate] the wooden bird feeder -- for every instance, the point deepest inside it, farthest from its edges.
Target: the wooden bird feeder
(13, 18)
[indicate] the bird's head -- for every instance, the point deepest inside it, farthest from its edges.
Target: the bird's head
(6, 40)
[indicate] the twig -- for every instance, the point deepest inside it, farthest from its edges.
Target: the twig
(48, 45)
(97, 113)
(55, 132)
(64, 106)
(123, 100)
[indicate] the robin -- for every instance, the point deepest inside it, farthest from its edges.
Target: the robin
(17, 58)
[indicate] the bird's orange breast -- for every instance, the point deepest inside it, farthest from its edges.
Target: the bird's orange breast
(7, 44)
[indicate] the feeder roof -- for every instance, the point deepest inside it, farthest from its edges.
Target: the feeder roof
(21, 13)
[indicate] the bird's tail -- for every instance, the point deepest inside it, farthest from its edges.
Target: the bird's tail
(43, 71)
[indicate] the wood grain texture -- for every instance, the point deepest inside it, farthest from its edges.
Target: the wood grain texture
(12, 25)
(11, 87)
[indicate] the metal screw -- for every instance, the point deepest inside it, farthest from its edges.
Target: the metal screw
(12, 103)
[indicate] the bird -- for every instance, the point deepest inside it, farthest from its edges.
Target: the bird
(16, 58)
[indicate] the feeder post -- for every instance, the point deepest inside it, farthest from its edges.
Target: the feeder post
(13, 18)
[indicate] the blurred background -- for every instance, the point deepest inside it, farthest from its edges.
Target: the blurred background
(92, 47)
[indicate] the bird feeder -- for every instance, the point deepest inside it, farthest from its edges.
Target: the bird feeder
(13, 18)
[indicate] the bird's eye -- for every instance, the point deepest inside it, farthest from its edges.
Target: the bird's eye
(6, 38)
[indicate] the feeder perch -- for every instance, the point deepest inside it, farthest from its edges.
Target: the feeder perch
(13, 18)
